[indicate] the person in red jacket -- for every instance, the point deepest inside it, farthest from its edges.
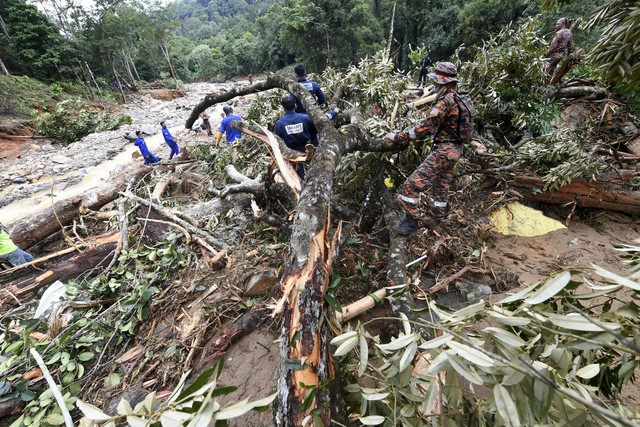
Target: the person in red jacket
(561, 45)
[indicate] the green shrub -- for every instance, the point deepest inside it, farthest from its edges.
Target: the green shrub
(71, 120)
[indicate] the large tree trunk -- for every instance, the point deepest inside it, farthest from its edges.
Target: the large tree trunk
(36, 228)
(606, 193)
(304, 349)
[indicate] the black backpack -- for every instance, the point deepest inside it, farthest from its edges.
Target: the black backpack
(465, 123)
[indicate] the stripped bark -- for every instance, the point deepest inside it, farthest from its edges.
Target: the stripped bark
(29, 231)
(607, 193)
(580, 91)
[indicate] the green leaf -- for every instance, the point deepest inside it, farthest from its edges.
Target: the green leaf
(346, 346)
(471, 354)
(293, 364)
(589, 371)
(505, 406)
(54, 419)
(550, 288)
(576, 322)
(398, 343)
(309, 398)
(92, 412)
(437, 342)
(364, 355)
(202, 379)
(374, 396)
(342, 338)
(223, 391)
(372, 420)
(617, 278)
(124, 408)
(333, 302)
(506, 337)
(83, 357)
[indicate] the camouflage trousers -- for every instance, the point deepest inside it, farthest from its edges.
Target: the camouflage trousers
(437, 170)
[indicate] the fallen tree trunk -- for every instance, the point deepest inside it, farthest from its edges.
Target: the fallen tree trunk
(29, 231)
(606, 193)
(580, 91)
(304, 350)
(88, 262)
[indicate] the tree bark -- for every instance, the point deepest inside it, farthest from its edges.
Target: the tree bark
(580, 91)
(3, 69)
(606, 193)
(32, 230)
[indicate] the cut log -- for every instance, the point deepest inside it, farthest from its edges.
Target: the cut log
(581, 91)
(29, 231)
(607, 193)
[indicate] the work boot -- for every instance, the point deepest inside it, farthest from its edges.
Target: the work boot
(408, 225)
(433, 221)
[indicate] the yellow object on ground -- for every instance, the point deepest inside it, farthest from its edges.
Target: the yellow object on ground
(519, 220)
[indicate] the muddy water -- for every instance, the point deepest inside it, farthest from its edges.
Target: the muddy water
(97, 157)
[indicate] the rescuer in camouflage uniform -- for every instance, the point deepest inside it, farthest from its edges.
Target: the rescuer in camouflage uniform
(561, 45)
(437, 169)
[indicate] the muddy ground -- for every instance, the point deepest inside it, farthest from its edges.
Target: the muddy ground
(29, 166)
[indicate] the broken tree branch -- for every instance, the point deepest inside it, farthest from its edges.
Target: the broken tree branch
(164, 212)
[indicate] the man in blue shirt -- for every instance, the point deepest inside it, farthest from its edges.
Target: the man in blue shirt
(146, 154)
(296, 130)
(225, 125)
(175, 150)
(311, 86)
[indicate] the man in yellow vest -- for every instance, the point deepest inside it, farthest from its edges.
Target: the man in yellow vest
(10, 252)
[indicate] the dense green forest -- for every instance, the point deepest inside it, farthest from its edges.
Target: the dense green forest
(130, 41)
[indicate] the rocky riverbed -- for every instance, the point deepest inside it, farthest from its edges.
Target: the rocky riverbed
(27, 176)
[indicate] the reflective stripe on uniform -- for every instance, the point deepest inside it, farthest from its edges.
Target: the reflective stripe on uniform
(412, 133)
(440, 204)
(409, 199)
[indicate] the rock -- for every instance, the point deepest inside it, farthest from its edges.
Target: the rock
(60, 159)
(35, 147)
(47, 147)
(477, 292)
(149, 130)
(19, 180)
(260, 283)
(112, 151)
(628, 129)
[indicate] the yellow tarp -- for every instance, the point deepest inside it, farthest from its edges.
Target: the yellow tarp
(519, 220)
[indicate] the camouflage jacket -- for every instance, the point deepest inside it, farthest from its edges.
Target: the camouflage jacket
(563, 40)
(444, 112)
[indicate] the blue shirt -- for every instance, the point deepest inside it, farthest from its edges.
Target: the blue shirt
(167, 136)
(225, 126)
(296, 130)
(314, 90)
(143, 147)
